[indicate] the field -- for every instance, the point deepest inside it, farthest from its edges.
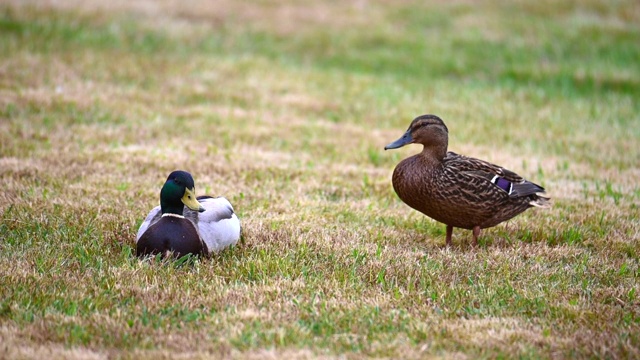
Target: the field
(284, 107)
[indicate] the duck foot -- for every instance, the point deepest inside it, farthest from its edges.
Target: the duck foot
(449, 233)
(476, 233)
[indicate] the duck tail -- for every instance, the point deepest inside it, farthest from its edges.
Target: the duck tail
(525, 188)
(540, 200)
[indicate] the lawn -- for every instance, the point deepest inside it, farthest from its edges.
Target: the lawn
(284, 107)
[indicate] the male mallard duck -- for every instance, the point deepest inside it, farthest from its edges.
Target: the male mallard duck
(457, 190)
(185, 224)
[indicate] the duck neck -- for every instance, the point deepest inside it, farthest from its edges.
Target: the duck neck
(434, 152)
(171, 208)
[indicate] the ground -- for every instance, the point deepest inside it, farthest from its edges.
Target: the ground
(284, 107)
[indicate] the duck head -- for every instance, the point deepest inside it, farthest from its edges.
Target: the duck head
(179, 191)
(428, 130)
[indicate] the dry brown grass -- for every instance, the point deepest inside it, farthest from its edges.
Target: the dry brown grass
(284, 108)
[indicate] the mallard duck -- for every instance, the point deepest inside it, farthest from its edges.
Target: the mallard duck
(457, 190)
(186, 224)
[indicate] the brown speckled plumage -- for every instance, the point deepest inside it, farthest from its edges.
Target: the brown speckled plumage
(457, 190)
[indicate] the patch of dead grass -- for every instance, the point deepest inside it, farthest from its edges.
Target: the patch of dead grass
(24, 348)
(283, 17)
(299, 152)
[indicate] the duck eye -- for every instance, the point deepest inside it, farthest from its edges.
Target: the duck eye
(420, 125)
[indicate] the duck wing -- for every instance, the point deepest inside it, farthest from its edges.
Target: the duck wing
(494, 176)
(218, 225)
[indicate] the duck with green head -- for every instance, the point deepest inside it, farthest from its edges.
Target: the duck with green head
(457, 190)
(186, 224)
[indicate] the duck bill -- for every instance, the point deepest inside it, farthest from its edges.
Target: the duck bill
(190, 201)
(404, 140)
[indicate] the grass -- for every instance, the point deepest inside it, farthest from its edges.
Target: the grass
(284, 107)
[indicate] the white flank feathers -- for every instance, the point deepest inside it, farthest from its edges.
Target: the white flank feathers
(154, 215)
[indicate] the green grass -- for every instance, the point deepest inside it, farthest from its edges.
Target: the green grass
(284, 108)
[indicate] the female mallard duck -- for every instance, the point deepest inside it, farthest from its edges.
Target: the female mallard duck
(456, 190)
(184, 224)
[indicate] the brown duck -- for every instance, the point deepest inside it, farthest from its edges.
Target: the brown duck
(457, 190)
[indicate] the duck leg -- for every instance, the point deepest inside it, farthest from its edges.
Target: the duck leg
(476, 233)
(449, 233)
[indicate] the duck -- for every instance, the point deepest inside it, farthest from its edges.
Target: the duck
(457, 190)
(185, 224)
